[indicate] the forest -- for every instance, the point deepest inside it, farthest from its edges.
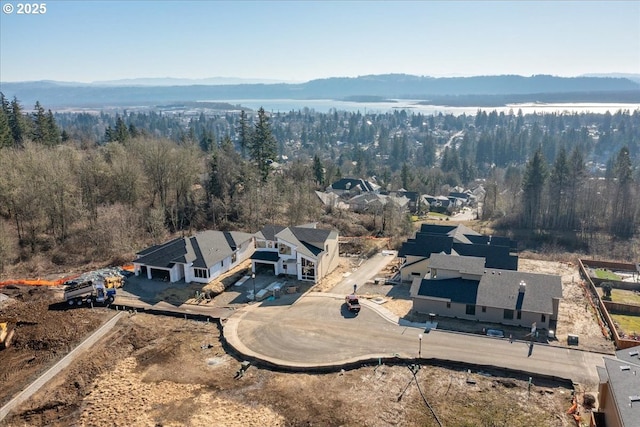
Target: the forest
(82, 188)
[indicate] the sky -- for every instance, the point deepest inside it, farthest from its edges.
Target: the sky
(87, 41)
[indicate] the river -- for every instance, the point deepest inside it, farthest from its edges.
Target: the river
(327, 105)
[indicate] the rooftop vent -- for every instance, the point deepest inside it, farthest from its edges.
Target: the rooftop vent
(522, 287)
(625, 368)
(635, 398)
(633, 353)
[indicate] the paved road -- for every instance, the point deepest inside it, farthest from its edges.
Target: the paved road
(55, 369)
(318, 331)
(367, 271)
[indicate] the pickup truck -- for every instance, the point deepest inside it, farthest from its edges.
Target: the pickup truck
(352, 303)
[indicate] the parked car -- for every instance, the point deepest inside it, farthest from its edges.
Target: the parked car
(497, 333)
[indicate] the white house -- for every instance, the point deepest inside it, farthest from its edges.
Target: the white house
(200, 258)
(305, 252)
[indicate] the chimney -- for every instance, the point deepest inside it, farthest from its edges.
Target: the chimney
(523, 287)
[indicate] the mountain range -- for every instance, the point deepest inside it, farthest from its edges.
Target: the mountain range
(478, 90)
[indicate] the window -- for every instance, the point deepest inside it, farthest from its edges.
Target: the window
(201, 273)
(484, 308)
(508, 314)
(519, 315)
(543, 318)
(234, 257)
(284, 249)
(434, 273)
(471, 310)
(448, 305)
(415, 273)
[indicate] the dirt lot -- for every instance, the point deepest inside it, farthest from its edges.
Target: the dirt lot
(159, 371)
(162, 371)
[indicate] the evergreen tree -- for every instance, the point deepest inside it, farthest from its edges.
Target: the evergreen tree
(533, 183)
(244, 137)
(263, 145)
(558, 186)
(318, 171)
(40, 126)
(121, 130)
(18, 122)
(6, 137)
(624, 205)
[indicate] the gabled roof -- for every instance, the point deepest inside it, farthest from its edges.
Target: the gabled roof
(309, 241)
(204, 250)
(462, 264)
(500, 289)
(458, 290)
(269, 232)
(462, 240)
(348, 184)
(623, 384)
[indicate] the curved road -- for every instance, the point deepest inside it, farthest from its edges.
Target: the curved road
(318, 331)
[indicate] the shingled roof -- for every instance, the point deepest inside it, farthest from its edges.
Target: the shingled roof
(204, 250)
(449, 239)
(309, 241)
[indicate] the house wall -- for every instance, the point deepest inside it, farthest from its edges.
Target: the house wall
(607, 405)
(420, 267)
(492, 314)
(329, 259)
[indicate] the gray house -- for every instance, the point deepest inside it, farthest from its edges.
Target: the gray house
(463, 287)
(200, 258)
(619, 390)
(498, 252)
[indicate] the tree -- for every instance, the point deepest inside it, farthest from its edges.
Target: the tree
(6, 138)
(318, 171)
(244, 133)
(623, 209)
(558, 186)
(18, 123)
(533, 183)
(263, 145)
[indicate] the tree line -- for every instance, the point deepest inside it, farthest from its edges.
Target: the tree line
(94, 185)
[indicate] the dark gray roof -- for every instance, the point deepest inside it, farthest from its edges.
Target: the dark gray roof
(462, 264)
(457, 290)
(500, 289)
(265, 256)
(351, 183)
(309, 241)
(204, 250)
(269, 232)
(623, 384)
(464, 241)
(631, 355)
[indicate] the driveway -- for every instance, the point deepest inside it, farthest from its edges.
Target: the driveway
(367, 271)
(318, 331)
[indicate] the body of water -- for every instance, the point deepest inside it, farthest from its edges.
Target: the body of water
(327, 105)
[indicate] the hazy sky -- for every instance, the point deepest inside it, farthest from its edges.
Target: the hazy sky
(298, 41)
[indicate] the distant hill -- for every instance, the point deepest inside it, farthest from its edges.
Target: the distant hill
(459, 90)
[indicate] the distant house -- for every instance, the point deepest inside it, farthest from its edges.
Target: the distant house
(498, 252)
(352, 186)
(463, 287)
(376, 202)
(200, 258)
(306, 252)
(619, 390)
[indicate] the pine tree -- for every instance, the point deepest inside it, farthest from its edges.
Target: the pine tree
(244, 136)
(533, 186)
(558, 183)
(318, 171)
(263, 145)
(39, 131)
(6, 137)
(18, 123)
(622, 220)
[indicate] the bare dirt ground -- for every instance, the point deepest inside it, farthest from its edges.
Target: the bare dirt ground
(160, 371)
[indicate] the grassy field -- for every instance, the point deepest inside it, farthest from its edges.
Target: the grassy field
(602, 273)
(625, 297)
(629, 324)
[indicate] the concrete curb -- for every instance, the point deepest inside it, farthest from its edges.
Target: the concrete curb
(55, 369)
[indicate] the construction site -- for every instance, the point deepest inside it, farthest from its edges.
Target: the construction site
(172, 370)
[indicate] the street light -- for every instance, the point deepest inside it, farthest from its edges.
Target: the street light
(253, 278)
(420, 345)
